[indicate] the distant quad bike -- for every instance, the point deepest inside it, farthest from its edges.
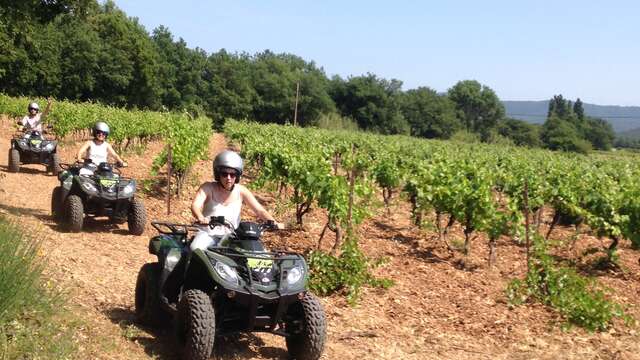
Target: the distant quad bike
(226, 289)
(31, 147)
(104, 193)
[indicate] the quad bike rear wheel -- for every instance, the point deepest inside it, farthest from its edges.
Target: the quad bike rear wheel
(57, 204)
(14, 160)
(54, 164)
(74, 213)
(196, 327)
(307, 327)
(148, 307)
(137, 217)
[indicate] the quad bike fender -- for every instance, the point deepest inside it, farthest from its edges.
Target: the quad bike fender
(67, 181)
(20, 144)
(161, 243)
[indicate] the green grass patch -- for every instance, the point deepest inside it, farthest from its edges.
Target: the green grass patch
(33, 322)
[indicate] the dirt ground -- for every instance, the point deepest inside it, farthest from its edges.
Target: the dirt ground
(435, 310)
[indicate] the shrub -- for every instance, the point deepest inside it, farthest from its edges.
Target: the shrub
(349, 271)
(581, 301)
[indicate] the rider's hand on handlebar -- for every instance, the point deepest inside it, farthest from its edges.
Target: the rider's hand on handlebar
(272, 224)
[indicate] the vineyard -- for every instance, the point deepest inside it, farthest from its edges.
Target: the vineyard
(393, 213)
(487, 191)
(479, 186)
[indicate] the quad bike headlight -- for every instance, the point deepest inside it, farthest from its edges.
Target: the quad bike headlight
(49, 147)
(294, 275)
(129, 189)
(226, 272)
(89, 187)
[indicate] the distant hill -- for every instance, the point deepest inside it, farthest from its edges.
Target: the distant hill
(622, 118)
(632, 134)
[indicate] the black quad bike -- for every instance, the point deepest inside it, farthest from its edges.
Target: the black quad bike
(232, 287)
(104, 193)
(31, 147)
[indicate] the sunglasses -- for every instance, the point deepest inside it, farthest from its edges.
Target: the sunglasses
(228, 173)
(101, 133)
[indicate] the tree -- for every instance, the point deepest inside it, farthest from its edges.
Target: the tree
(274, 78)
(429, 115)
(599, 132)
(578, 109)
(559, 134)
(30, 55)
(127, 60)
(79, 49)
(478, 107)
(229, 93)
(372, 102)
(520, 132)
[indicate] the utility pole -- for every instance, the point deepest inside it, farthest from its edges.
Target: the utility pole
(295, 110)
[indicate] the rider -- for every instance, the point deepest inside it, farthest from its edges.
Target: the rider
(223, 197)
(97, 149)
(33, 121)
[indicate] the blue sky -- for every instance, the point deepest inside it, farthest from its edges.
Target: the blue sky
(523, 50)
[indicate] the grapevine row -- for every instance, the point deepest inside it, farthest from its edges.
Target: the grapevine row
(479, 186)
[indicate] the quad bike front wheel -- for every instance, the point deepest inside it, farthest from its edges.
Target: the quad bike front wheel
(148, 308)
(307, 329)
(196, 327)
(54, 164)
(57, 204)
(14, 160)
(137, 217)
(74, 213)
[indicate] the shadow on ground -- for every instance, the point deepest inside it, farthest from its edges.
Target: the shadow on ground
(161, 343)
(20, 211)
(42, 170)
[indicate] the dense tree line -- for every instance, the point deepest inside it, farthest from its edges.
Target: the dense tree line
(86, 51)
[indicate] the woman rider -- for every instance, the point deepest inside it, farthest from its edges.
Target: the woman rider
(97, 149)
(223, 197)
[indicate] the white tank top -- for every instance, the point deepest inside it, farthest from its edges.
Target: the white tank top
(98, 153)
(33, 123)
(231, 212)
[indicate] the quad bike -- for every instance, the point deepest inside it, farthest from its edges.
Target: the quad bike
(31, 147)
(104, 193)
(235, 286)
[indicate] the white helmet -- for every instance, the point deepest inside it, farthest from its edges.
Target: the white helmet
(33, 105)
(101, 126)
(228, 159)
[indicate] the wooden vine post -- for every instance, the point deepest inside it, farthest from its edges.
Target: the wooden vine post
(526, 219)
(169, 173)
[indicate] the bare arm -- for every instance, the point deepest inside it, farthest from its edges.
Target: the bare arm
(83, 151)
(113, 153)
(198, 204)
(46, 110)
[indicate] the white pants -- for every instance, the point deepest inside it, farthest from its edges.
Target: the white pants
(205, 239)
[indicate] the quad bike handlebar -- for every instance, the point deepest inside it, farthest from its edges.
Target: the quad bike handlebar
(221, 220)
(164, 227)
(116, 164)
(169, 228)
